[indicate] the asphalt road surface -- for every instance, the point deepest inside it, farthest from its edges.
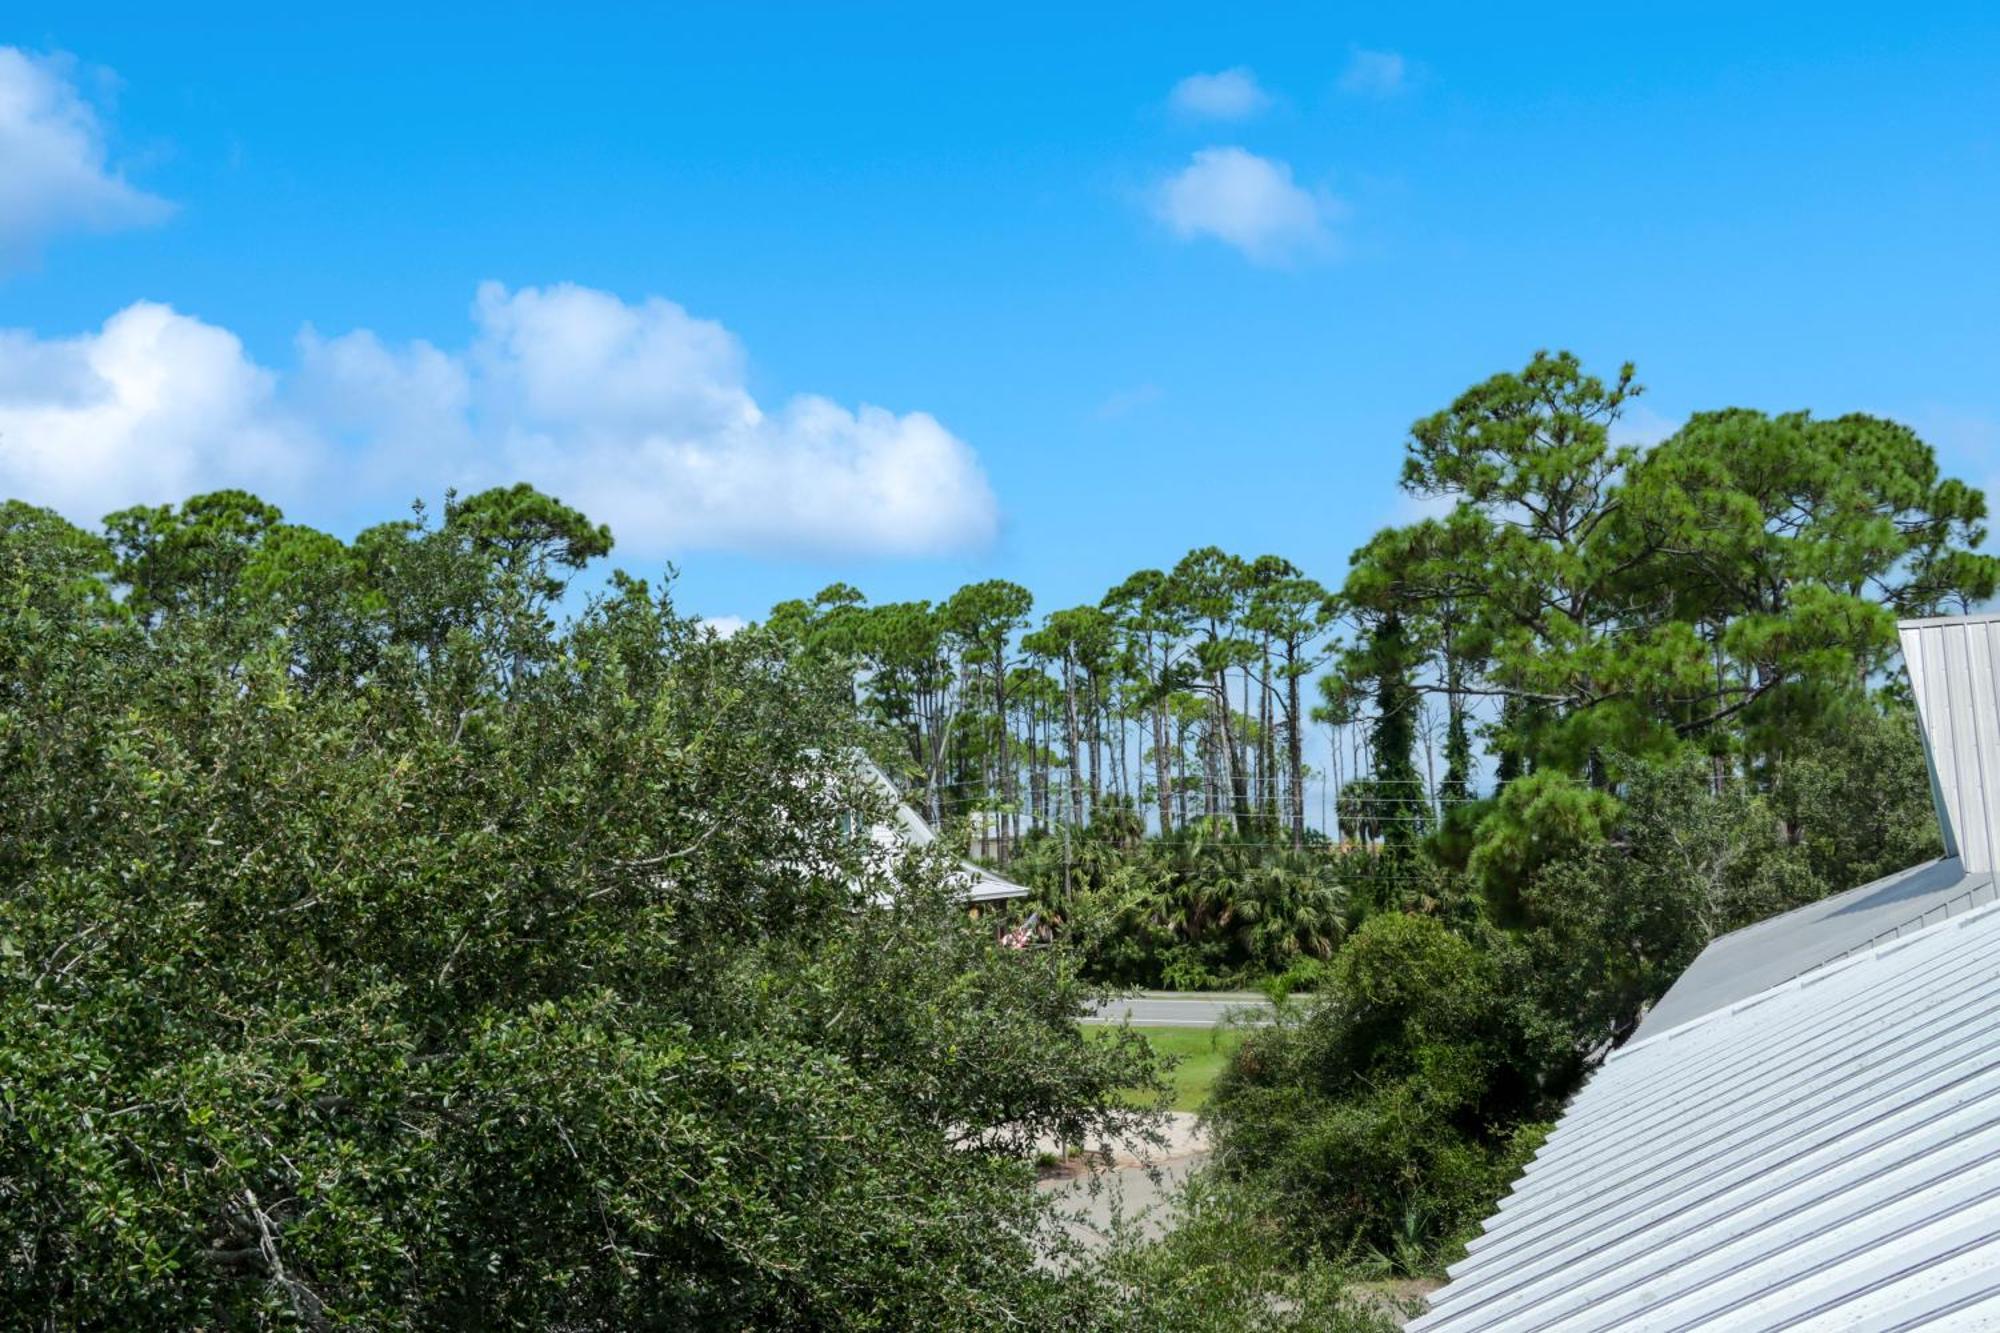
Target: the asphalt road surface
(1163, 1009)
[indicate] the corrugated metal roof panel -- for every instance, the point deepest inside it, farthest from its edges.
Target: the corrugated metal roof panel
(1741, 964)
(1825, 1154)
(1806, 1133)
(1951, 664)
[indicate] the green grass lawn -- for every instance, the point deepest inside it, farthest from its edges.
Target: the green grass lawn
(1202, 1053)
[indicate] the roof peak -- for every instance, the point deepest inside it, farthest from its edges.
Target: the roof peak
(1951, 663)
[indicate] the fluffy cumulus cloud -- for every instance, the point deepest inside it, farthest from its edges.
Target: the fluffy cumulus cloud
(1249, 202)
(1230, 94)
(150, 407)
(1374, 73)
(54, 170)
(637, 413)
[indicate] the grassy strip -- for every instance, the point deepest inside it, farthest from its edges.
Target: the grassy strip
(1201, 1053)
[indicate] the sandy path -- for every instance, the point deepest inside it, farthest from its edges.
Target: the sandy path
(1130, 1181)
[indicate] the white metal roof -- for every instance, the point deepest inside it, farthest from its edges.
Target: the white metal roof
(1740, 964)
(976, 883)
(1951, 662)
(1823, 1155)
(1805, 1133)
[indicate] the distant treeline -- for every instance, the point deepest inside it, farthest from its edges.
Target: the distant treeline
(1576, 606)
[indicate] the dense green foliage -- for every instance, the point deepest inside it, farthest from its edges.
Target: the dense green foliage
(1679, 660)
(1394, 1108)
(377, 953)
(1688, 647)
(1190, 911)
(382, 947)
(1585, 608)
(1379, 1119)
(1227, 1266)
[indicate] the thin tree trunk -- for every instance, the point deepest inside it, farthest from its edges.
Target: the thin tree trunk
(1006, 769)
(1231, 775)
(1073, 741)
(1211, 772)
(1430, 761)
(1029, 716)
(1331, 824)
(1054, 815)
(1295, 746)
(1263, 791)
(1115, 747)
(1183, 803)
(1096, 741)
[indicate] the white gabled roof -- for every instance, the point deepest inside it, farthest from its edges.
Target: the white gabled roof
(1823, 1155)
(976, 883)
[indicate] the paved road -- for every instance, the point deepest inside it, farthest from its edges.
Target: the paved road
(1156, 1009)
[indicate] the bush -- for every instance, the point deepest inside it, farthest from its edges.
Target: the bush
(1226, 1267)
(1307, 974)
(1379, 1119)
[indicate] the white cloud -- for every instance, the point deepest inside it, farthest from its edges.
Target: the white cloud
(152, 407)
(1249, 202)
(1124, 402)
(725, 626)
(1230, 94)
(395, 415)
(1374, 74)
(54, 172)
(639, 414)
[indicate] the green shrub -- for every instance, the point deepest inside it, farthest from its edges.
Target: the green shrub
(1379, 1118)
(1227, 1267)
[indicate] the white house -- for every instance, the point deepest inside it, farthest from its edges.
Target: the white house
(907, 828)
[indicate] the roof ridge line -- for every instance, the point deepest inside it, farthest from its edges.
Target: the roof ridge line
(1812, 975)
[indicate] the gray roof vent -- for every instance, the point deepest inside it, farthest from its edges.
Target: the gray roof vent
(1951, 661)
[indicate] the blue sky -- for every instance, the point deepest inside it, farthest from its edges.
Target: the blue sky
(644, 257)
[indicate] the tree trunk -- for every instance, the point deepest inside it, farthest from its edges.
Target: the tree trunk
(1006, 770)
(1295, 746)
(1072, 740)
(1029, 738)
(1182, 809)
(1430, 760)
(1116, 757)
(1096, 741)
(1268, 797)
(1331, 798)
(1212, 769)
(1232, 773)
(1161, 773)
